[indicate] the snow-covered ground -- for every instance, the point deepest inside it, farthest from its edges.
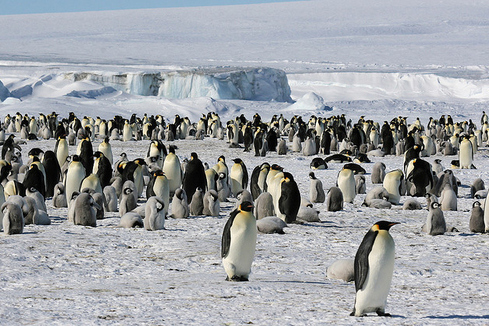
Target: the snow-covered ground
(378, 58)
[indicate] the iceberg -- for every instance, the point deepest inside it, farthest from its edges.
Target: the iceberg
(4, 92)
(257, 84)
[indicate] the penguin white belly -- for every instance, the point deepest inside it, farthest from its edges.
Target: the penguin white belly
(373, 295)
(347, 186)
(236, 178)
(241, 249)
(173, 172)
(465, 155)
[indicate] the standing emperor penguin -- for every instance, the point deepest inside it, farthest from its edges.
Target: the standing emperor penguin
(159, 186)
(373, 269)
(106, 148)
(258, 178)
(102, 168)
(74, 177)
(316, 190)
(288, 199)
(346, 182)
(173, 170)
(238, 176)
(194, 176)
(392, 183)
(61, 150)
(238, 243)
(466, 153)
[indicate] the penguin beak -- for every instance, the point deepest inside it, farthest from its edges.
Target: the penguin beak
(393, 223)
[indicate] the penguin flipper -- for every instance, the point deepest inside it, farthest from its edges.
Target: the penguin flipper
(226, 234)
(361, 259)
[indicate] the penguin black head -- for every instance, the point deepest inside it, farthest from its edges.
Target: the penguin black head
(98, 154)
(383, 225)
(246, 206)
(35, 152)
(435, 205)
(237, 161)
(311, 175)
(193, 156)
(476, 204)
(288, 176)
(75, 158)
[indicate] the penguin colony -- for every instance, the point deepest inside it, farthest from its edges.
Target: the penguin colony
(145, 191)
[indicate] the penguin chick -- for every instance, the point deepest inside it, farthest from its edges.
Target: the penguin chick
(435, 221)
(154, 214)
(128, 200)
(59, 197)
(211, 204)
(13, 218)
(131, 220)
(238, 243)
(110, 199)
(85, 210)
(179, 206)
(342, 269)
(264, 206)
(373, 269)
(308, 214)
(334, 199)
(197, 204)
(476, 223)
(378, 173)
(448, 199)
(411, 204)
(270, 224)
(316, 190)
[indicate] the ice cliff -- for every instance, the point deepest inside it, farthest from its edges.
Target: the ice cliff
(259, 84)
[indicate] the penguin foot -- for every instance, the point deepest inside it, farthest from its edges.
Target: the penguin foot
(382, 313)
(236, 278)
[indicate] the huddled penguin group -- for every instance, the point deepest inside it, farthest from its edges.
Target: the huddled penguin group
(145, 191)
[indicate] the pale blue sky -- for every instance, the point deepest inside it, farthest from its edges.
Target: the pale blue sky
(13, 7)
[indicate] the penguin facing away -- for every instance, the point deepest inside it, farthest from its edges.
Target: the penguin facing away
(373, 269)
(238, 243)
(476, 223)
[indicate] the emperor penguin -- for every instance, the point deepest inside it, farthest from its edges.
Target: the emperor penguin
(378, 173)
(154, 214)
(258, 178)
(346, 182)
(316, 190)
(61, 150)
(448, 199)
(334, 199)
(106, 149)
(74, 176)
(128, 200)
(179, 204)
(476, 223)
(197, 204)
(435, 221)
(173, 170)
(288, 199)
(102, 168)
(159, 186)
(59, 196)
(85, 212)
(110, 199)
(373, 269)
(392, 183)
(13, 218)
(194, 176)
(466, 153)
(53, 172)
(263, 206)
(239, 242)
(238, 176)
(211, 203)
(34, 178)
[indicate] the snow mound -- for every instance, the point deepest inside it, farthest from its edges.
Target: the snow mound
(4, 92)
(309, 102)
(258, 84)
